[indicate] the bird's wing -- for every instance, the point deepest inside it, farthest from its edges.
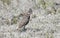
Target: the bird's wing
(23, 22)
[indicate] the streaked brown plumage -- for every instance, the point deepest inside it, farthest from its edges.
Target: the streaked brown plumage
(25, 20)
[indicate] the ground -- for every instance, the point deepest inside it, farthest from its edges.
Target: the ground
(44, 21)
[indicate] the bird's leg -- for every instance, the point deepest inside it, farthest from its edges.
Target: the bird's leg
(24, 28)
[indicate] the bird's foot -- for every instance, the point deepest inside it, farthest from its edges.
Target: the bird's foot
(21, 30)
(24, 29)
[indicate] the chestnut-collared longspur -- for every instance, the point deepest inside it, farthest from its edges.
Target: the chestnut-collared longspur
(25, 19)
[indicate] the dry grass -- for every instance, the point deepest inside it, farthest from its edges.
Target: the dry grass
(6, 1)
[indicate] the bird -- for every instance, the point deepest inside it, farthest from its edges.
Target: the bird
(25, 19)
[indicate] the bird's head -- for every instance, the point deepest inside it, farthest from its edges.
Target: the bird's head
(30, 11)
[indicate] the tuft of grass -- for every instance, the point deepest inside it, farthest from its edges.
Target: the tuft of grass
(7, 21)
(42, 3)
(45, 3)
(49, 3)
(52, 11)
(58, 10)
(14, 20)
(49, 35)
(34, 16)
(6, 1)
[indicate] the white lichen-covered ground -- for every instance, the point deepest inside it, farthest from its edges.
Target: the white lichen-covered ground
(44, 21)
